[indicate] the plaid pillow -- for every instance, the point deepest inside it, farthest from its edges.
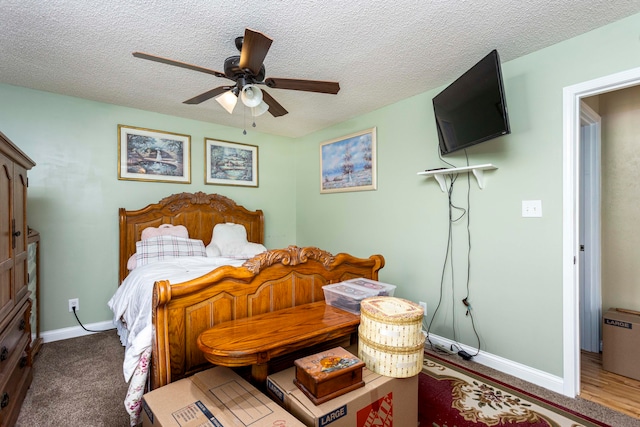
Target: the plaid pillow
(165, 247)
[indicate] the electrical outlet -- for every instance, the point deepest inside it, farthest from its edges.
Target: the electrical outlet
(531, 208)
(74, 303)
(424, 307)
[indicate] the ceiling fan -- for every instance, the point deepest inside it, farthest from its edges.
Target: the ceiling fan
(247, 71)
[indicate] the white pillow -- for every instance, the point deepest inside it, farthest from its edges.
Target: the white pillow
(212, 250)
(164, 247)
(230, 240)
(228, 237)
(248, 250)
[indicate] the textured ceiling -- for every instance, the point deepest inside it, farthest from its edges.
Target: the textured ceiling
(379, 51)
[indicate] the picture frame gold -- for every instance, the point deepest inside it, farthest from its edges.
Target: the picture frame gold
(153, 155)
(348, 163)
(230, 163)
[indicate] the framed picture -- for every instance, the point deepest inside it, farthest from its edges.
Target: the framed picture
(153, 155)
(349, 163)
(230, 163)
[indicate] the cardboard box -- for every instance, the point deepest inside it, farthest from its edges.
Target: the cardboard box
(216, 397)
(621, 343)
(383, 401)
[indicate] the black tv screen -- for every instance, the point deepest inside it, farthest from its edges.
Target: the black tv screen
(472, 109)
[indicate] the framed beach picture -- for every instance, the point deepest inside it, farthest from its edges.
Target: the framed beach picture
(153, 155)
(230, 163)
(349, 163)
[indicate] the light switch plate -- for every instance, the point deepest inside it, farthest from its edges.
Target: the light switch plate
(531, 208)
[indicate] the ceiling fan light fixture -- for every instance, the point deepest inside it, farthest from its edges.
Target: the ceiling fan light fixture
(247, 70)
(251, 96)
(260, 109)
(228, 100)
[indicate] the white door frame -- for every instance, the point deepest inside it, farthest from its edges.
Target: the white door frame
(570, 216)
(590, 260)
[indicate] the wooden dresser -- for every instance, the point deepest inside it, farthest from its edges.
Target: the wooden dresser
(15, 304)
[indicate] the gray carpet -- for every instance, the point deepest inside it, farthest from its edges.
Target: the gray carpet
(77, 382)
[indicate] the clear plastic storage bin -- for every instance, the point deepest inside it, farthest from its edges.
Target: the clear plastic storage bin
(381, 289)
(346, 296)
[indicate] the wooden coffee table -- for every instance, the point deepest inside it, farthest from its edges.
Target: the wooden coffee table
(256, 340)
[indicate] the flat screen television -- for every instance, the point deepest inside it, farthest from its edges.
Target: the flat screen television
(472, 109)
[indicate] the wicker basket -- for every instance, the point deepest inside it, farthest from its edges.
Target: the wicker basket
(391, 339)
(391, 361)
(393, 322)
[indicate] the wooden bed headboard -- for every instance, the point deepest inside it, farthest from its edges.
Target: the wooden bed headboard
(199, 212)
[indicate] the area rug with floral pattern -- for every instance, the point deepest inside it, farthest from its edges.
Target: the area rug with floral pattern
(452, 396)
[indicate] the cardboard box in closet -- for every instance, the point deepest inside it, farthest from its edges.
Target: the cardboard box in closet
(621, 343)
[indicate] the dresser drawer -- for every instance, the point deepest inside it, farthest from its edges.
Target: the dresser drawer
(13, 391)
(13, 340)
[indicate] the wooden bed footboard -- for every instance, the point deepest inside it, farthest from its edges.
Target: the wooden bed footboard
(271, 281)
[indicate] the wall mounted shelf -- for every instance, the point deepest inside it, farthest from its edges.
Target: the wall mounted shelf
(439, 174)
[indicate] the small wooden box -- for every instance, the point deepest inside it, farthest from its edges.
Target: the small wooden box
(332, 373)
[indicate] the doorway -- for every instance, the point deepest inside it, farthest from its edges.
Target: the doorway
(572, 263)
(589, 229)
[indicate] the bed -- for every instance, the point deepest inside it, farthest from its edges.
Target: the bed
(208, 290)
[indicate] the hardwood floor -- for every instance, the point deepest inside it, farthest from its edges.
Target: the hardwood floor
(617, 392)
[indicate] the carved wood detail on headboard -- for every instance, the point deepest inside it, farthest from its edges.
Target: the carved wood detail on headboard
(292, 255)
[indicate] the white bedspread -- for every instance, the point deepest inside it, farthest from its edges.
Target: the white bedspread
(131, 304)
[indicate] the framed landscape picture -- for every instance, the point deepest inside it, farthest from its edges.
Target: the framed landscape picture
(349, 163)
(153, 155)
(230, 163)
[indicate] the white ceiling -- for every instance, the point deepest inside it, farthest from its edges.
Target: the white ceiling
(379, 51)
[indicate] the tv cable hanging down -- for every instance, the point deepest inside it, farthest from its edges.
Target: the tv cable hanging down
(449, 259)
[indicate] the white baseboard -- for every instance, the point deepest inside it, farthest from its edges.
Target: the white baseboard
(75, 331)
(518, 370)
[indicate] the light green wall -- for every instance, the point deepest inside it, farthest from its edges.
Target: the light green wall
(74, 192)
(516, 266)
(620, 192)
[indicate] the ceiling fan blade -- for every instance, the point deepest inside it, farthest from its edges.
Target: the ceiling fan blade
(275, 108)
(168, 61)
(254, 49)
(306, 85)
(208, 95)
